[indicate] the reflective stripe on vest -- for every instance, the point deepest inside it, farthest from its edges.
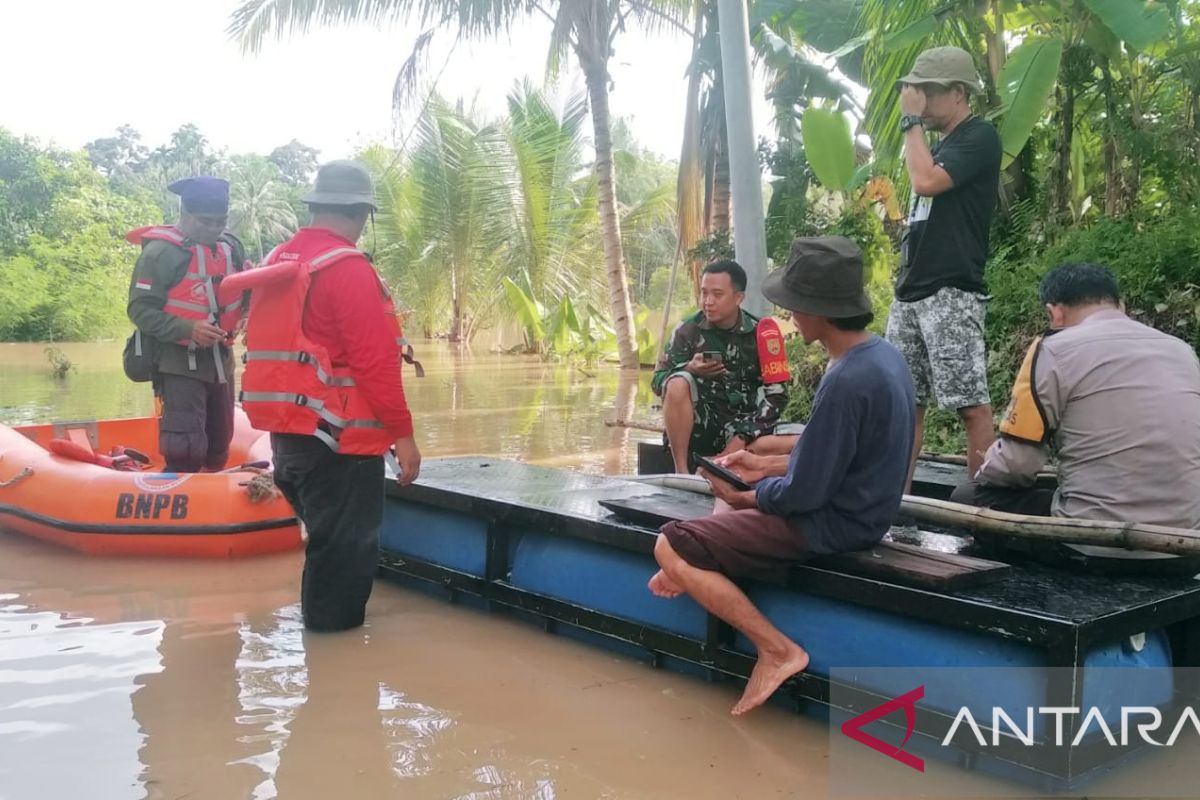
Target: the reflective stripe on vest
(165, 232)
(300, 356)
(279, 392)
(335, 253)
(316, 404)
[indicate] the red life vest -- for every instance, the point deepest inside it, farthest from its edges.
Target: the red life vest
(289, 384)
(195, 296)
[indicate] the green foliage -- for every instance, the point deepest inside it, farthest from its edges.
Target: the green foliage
(64, 267)
(296, 161)
(479, 209)
(830, 147)
(261, 213)
(565, 332)
(682, 301)
(716, 247)
(787, 211)
(64, 264)
(1025, 84)
(1155, 261)
(60, 364)
(1138, 23)
(526, 311)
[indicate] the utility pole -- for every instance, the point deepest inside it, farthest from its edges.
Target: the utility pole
(745, 177)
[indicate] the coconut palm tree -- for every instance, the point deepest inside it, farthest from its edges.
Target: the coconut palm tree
(461, 207)
(260, 208)
(586, 28)
(400, 252)
(553, 205)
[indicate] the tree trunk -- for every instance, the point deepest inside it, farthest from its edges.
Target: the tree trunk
(1060, 188)
(1017, 186)
(623, 406)
(456, 307)
(1112, 154)
(720, 186)
(610, 225)
(996, 53)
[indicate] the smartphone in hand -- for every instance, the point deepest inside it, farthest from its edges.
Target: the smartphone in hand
(724, 474)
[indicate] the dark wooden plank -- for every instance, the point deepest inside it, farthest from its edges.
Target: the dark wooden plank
(897, 562)
(949, 558)
(912, 566)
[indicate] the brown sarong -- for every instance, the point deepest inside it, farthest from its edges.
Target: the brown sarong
(740, 544)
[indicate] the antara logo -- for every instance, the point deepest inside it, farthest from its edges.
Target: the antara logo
(1117, 729)
(908, 702)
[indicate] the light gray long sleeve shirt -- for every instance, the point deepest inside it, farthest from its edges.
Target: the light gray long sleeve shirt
(1121, 402)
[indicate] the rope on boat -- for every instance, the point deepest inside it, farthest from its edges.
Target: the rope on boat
(261, 487)
(15, 479)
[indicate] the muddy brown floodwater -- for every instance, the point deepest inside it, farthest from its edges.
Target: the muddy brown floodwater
(140, 678)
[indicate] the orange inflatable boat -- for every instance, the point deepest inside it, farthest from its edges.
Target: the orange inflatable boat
(83, 485)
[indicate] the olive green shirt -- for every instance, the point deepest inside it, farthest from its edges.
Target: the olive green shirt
(160, 266)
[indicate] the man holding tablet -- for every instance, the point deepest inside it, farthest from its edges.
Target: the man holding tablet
(839, 488)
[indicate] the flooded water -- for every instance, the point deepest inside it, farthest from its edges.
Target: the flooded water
(133, 678)
(468, 403)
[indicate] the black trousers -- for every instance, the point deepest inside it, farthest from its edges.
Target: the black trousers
(196, 426)
(340, 500)
(1033, 501)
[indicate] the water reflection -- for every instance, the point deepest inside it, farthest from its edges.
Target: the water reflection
(128, 678)
(469, 402)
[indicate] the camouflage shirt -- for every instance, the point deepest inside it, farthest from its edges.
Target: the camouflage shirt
(734, 404)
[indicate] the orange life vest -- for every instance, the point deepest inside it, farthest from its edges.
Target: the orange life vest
(195, 296)
(289, 384)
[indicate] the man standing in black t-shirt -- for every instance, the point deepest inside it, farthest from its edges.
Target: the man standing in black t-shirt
(936, 320)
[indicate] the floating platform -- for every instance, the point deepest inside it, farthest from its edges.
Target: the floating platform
(539, 541)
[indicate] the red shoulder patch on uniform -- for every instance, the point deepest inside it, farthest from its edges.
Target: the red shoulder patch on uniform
(772, 355)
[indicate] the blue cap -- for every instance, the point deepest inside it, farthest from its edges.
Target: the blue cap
(203, 194)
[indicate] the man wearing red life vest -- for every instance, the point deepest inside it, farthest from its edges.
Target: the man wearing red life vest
(186, 333)
(323, 353)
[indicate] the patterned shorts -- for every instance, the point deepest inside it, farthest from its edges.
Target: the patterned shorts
(941, 338)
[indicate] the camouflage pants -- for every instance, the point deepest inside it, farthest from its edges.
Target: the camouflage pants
(941, 338)
(712, 421)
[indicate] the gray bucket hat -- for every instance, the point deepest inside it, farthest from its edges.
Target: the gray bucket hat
(342, 183)
(823, 276)
(944, 66)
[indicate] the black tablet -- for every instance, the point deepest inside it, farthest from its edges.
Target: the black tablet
(724, 474)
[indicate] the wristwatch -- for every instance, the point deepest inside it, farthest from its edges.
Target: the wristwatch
(910, 121)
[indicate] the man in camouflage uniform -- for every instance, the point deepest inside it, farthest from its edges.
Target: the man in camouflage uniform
(714, 397)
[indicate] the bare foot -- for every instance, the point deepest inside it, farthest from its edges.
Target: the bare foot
(663, 586)
(769, 672)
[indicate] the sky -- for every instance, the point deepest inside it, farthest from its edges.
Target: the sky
(77, 69)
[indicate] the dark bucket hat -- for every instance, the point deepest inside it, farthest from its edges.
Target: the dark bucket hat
(823, 277)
